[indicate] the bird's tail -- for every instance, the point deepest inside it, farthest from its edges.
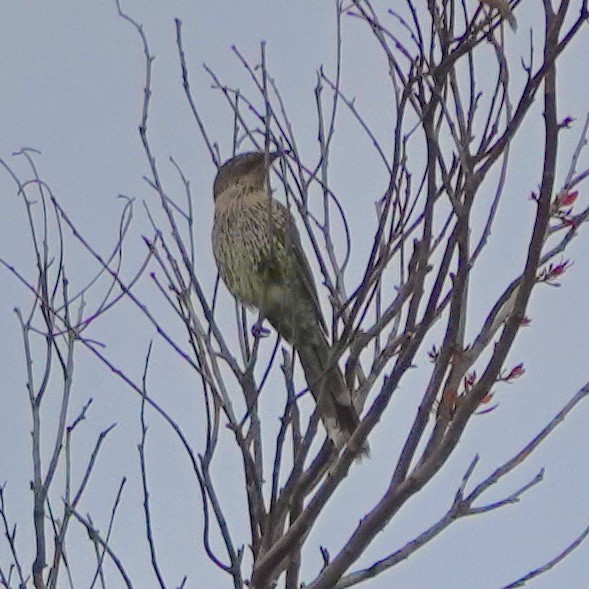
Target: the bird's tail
(333, 398)
(510, 18)
(505, 12)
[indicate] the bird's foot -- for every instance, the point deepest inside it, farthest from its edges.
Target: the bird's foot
(258, 329)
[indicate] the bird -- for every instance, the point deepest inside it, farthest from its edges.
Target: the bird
(502, 6)
(259, 255)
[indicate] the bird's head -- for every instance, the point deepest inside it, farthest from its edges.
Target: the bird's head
(246, 171)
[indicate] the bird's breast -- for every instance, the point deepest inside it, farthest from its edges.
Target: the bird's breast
(241, 248)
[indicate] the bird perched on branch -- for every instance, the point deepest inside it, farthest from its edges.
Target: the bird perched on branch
(260, 258)
(502, 6)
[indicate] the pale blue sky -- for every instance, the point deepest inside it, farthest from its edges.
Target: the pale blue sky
(72, 87)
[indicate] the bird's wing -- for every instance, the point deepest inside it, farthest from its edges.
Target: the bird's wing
(294, 248)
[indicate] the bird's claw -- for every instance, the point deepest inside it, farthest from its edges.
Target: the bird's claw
(259, 331)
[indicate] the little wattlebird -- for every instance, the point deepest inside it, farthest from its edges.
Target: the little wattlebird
(260, 258)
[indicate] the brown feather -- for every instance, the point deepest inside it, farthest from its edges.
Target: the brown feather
(260, 258)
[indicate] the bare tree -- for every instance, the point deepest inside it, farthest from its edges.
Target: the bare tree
(52, 330)
(456, 111)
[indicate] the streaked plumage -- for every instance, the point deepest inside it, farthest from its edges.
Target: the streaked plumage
(259, 255)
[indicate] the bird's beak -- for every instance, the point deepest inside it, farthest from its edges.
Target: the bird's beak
(274, 155)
